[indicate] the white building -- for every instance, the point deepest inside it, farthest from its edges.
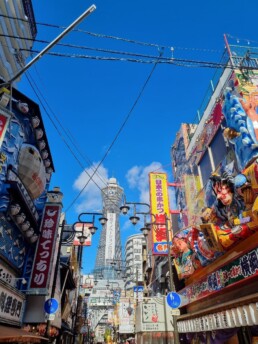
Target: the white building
(134, 260)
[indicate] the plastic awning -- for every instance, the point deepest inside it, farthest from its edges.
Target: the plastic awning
(13, 334)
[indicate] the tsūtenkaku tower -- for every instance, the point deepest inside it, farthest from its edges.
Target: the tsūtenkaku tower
(110, 249)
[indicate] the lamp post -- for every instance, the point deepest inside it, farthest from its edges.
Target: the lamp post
(145, 230)
(83, 219)
(82, 237)
(171, 279)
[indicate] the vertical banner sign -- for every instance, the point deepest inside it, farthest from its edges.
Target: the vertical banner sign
(159, 208)
(126, 316)
(111, 236)
(44, 255)
(84, 228)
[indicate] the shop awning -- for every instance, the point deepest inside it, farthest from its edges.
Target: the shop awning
(12, 334)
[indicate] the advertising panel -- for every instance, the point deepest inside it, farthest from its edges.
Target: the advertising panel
(235, 272)
(4, 120)
(111, 237)
(12, 305)
(160, 209)
(126, 316)
(82, 227)
(154, 315)
(40, 273)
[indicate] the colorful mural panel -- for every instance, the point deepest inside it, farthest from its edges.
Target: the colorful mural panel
(191, 250)
(192, 187)
(238, 270)
(231, 211)
(12, 244)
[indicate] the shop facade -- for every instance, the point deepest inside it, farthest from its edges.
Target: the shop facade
(216, 249)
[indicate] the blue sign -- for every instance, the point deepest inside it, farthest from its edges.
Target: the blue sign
(138, 289)
(173, 300)
(51, 306)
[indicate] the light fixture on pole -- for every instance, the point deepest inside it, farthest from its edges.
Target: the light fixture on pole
(145, 230)
(15, 280)
(134, 218)
(82, 237)
(129, 309)
(171, 278)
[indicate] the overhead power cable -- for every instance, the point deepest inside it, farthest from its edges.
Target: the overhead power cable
(99, 35)
(122, 126)
(65, 141)
(68, 133)
(116, 52)
(163, 60)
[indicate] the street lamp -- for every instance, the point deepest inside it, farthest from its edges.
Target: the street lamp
(81, 239)
(134, 218)
(22, 279)
(145, 230)
(171, 276)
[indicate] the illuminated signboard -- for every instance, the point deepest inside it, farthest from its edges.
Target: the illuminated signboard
(41, 269)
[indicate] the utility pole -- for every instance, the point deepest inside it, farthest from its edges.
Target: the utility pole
(51, 44)
(137, 282)
(171, 279)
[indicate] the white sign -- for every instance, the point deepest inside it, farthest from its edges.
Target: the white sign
(126, 320)
(12, 305)
(7, 276)
(137, 259)
(235, 317)
(51, 316)
(111, 236)
(154, 315)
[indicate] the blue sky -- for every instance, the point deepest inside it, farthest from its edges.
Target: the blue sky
(100, 106)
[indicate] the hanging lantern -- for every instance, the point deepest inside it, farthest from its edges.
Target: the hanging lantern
(42, 329)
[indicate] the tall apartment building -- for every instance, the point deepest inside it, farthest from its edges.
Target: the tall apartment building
(134, 260)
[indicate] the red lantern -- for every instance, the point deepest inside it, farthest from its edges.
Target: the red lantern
(42, 329)
(53, 332)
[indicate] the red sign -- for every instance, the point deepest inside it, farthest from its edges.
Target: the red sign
(82, 228)
(43, 259)
(3, 125)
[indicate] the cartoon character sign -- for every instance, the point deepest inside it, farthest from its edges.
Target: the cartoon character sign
(241, 128)
(191, 251)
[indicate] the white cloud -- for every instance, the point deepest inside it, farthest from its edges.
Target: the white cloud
(90, 199)
(138, 178)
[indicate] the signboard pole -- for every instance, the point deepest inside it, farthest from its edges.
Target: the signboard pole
(171, 279)
(56, 272)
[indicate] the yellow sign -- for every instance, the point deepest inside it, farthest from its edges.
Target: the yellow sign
(160, 209)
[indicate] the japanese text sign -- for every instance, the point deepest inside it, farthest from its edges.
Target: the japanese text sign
(43, 259)
(237, 271)
(159, 208)
(11, 305)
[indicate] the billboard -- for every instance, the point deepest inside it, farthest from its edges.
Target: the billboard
(39, 282)
(154, 315)
(82, 228)
(126, 316)
(160, 209)
(111, 236)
